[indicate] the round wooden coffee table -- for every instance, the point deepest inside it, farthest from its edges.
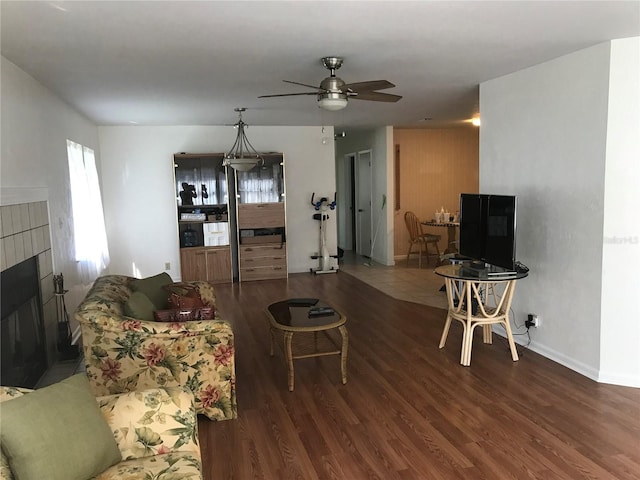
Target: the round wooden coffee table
(314, 333)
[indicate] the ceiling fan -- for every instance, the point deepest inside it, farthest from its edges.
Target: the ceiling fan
(333, 92)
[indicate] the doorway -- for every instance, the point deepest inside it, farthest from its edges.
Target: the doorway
(363, 189)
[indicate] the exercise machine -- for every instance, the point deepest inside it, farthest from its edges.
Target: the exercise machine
(323, 205)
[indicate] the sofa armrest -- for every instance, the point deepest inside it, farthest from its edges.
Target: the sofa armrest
(152, 422)
(102, 322)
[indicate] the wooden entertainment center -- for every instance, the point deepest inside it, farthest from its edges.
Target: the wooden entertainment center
(231, 224)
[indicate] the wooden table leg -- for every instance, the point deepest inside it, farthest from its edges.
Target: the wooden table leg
(288, 336)
(445, 332)
(487, 334)
(467, 342)
(512, 344)
(272, 341)
(343, 352)
(467, 334)
(447, 324)
(451, 239)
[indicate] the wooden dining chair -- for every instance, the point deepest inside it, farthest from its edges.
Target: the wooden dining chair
(418, 237)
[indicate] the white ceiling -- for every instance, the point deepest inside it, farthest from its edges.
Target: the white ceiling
(193, 62)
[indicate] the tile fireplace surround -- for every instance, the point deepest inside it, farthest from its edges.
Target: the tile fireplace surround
(24, 234)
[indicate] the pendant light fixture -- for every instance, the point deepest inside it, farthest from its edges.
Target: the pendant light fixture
(242, 156)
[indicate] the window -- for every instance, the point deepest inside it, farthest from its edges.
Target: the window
(88, 218)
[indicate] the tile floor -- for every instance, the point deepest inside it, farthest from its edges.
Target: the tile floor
(60, 370)
(402, 281)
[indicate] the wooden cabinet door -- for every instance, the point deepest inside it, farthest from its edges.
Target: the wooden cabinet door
(206, 264)
(218, 265)
(193, 264)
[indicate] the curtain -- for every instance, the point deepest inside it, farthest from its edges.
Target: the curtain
(260, 185)
(88, 217)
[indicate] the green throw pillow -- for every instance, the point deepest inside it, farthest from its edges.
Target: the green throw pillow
(152, 288)
(58, 433)
(139, 306)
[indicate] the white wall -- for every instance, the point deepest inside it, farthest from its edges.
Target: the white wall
(35, 127)
(140, 198)
(620, 328)
(544, 137)
(380, 142)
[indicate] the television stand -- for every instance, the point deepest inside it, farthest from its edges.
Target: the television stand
(478, 302)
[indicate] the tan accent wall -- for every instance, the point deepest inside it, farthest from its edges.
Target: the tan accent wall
(436, 166)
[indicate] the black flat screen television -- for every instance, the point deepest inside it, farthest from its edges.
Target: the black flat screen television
(488, 228)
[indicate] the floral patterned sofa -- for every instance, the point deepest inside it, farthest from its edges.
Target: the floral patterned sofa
(155, 430)
(124, 354)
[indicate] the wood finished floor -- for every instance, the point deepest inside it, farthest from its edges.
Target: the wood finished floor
(409, 410)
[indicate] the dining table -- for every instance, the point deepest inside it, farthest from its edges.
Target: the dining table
(452, 233)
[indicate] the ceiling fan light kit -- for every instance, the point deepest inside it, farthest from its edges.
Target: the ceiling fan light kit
(333, 93)
(332, 101)
(242, 156)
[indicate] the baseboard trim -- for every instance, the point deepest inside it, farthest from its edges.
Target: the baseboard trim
(588, 371)
(622, 380)
(572, 364)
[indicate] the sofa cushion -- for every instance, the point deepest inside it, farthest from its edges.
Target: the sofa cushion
(57, 432)
(9, 393)
(174, 466)
(152, 422)
(139, 306)
(152, 288)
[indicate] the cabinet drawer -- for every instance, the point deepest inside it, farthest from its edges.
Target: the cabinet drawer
(260, 215)
(271, 261)
(262, 273)
(269, 250)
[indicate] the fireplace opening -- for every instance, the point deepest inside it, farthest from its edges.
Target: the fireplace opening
(22, 342)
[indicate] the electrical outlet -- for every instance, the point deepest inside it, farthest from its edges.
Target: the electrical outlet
(167, 266)
(533, 320)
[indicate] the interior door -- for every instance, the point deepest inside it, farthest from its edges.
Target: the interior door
(363, 204)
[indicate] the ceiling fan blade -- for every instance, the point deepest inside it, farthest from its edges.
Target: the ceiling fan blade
(369, 86)
(287, 94)
(376, 97)
(302, 84)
